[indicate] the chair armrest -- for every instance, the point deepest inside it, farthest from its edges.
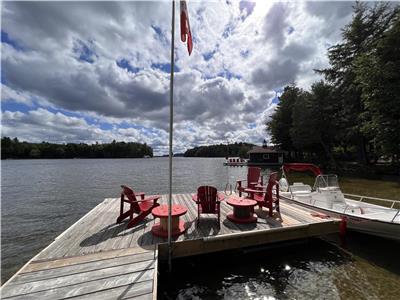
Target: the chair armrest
(154, 198)
(251, 191)
(220, 197)
(261, 186)
(141, 194)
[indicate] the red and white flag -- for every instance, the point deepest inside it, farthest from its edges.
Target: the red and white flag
(185, 27)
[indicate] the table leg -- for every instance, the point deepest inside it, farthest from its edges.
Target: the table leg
(242, 212)
(242, 215)
(175, 223)
(161, 229)
(164, 224)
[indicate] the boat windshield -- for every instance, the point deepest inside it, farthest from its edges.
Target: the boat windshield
(326, 181)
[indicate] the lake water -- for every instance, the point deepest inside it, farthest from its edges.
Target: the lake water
(42, 198)
(308, 269)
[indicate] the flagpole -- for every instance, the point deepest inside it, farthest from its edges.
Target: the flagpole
(171, 121)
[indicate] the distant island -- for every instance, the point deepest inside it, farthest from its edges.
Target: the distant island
(221, 150)
(15, 149)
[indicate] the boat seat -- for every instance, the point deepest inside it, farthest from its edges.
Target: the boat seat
(300, 187)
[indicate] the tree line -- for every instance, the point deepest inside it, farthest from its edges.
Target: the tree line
(13, 148)
(221, 150)
(354, 113)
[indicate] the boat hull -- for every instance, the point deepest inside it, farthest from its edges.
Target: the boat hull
(388, 230)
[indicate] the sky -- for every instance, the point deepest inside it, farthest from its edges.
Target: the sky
(99, 71)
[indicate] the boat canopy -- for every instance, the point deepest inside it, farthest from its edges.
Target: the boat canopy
(301, 167)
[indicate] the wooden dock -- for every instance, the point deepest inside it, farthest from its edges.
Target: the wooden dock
(97, 258)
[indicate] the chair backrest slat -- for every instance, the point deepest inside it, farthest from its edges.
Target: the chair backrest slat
(207, 196)
(253, 175)
(130, 194)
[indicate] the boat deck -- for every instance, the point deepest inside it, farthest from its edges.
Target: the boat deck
(97, 258)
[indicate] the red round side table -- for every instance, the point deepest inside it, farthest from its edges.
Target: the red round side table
(243, 210)
(177, 227)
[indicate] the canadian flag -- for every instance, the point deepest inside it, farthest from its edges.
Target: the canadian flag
(185, 27)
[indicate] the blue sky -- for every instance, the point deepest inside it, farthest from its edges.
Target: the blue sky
(98, 71)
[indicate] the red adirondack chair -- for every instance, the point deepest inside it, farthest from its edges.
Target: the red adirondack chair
(266, 198)
(208, 201)
(140, 207)
(253, 178)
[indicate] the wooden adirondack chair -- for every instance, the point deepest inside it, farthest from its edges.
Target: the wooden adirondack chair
(253, 178)
(140, 207)
(208, 201)
(266, 198)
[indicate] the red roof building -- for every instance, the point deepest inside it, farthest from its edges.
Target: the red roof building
(265, 156)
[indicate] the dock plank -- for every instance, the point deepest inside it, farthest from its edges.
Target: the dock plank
(140, 290)
(195, 229)
(80, 289)
(38, 265)
(75, 242)
(83, 267)
(99, 259)
(97, 273)
(103, 235)
(71, 232)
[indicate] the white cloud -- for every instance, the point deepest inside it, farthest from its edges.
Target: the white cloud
(8, 94)
(67, 54)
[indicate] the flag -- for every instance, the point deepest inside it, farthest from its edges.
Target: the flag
(185, 27)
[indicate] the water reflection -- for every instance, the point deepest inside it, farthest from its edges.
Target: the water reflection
(310, 270)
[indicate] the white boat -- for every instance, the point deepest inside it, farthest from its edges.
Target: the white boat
(376, 216)
(235, 161)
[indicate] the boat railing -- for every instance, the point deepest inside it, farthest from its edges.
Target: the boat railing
(373, 200)
(361, 198)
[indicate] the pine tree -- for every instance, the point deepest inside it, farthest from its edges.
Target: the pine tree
(359, 37)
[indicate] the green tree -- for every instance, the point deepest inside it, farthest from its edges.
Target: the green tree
(34, 153)
(221, 150)
(314, 124)
(359, 37)
(378, 75)
(15, 149)
(281, 121)
(6, 148)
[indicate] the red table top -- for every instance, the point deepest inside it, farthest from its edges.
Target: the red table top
(162, 211)
(241, 202)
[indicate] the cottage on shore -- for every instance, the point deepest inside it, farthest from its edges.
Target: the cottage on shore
(265, 156)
